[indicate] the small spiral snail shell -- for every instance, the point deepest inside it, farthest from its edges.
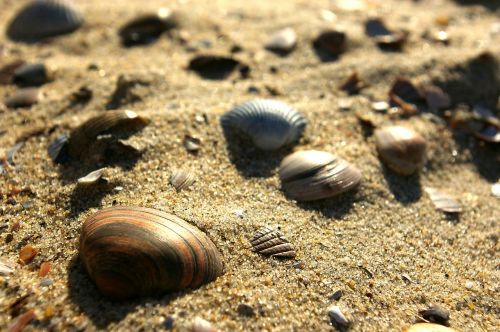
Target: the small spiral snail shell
(134, 251)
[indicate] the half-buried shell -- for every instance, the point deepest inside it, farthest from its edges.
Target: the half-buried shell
(134, 251)
(271, 242)
(271, 124)
(312, 175)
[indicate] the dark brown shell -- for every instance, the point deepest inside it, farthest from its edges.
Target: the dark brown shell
(401, 149)
(110, 121)
(271, 242)
(134, 251)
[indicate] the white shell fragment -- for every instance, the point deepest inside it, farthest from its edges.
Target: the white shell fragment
(5, 268)
(312, 175)
(92, 177)
(443, 202)
(271, 242)
(201, 325)
(282, 41)
(182, 179)
(271, 124)
(337, 317)
(495, 189)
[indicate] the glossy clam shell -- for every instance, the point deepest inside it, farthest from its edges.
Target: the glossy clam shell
(44, 18)
(83, 136)
(271, 242)
(312, 175)
(270, 124)
(134, 251)
(401, 149)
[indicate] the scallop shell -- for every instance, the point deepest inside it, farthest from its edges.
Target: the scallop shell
(282, 41)
(182, 179)
(428, 327)
(23, 98)
(134, 251)
(110, 121)
(401, 149)
(312, 175)
(271, 242)
(44, 18)
(271, 124)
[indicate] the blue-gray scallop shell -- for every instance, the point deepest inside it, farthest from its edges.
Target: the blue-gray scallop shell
(44, 18)
(271, 124)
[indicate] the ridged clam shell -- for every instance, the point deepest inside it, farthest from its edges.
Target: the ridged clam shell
(312, 175)
(133, 251)
(401, 149)
(271, 124)
(271, 242)
(44, 18)
(182, 179)
(83, 136)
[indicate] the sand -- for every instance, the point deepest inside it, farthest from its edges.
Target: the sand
(385, 246)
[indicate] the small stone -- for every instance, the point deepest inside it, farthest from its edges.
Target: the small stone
(336, 296)
(337, 317)
(245, 310)
(44, 269)
(380, 106)
(282, 42)
(495, 189)
(435, 314)
(469, 285)
(46, 282)
(201, 325)
(27, 254)
(27, 204)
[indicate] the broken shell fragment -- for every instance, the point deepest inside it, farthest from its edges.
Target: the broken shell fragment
(402, 149)
(271, 242)
(146, 29)
(435, 314)
(282, 42)
(23, 98)
(42, 19)
(108, 122)
(385, 38)
(313, 175)
(428, 327)
(270, 124)
(182, 179)
(134, 251)
(337, 317)
(58, 149)
(201, 325)
(33, 74)
(92, 177)
(443, 201)
(331, 41)
(5, 268)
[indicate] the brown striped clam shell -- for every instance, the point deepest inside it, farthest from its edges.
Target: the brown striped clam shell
(312, 175)
(134, 251)
(271, 242)
(107, 122)
(402, 149)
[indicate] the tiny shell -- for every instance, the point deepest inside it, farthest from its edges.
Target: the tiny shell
(385, 38)
(282, 42)
(271, 242)
(435, 314)
(270, 124)
(201, 325)
(182, 179)
(146, 29)
(401, 149)
(313, 175)
(428, 327)
(58, 149)
(443, 201)
(332, 41)
(23, 98)
(32, 74)
(5, 268)
(216, 67)
(191, 143)
(337, 317)
(44, 18)
(92, 177)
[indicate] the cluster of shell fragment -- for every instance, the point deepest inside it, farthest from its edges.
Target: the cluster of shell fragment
(270, 124)
(271, 242)
(313, 175)
(133, 251)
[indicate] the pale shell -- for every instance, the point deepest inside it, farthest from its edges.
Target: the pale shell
(271, 242)
(443, 201)
(271, 124)
(312, 175)
(337, 317)
(92, 177)
(44, 18)
(182, 179)
(202, 325)
(282, 41)
(23, 98)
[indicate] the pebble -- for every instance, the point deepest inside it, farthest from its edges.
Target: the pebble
(435, 314)
(336, 296)
(495, 189)
(337, 317)
(46, 282)
(245, 310)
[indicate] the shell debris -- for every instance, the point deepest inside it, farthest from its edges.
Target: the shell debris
(443, 201)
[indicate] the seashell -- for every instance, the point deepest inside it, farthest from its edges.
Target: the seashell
(20, 322)
(385, 38)
(401, 149)
(380, 106)
(83, 136)
(270, 124)
(331, 41)
(443, 202)
(27, 253)
(201, 325)
(58, 149)
(271, 242)
(337, 317)
(495, 189)
(404, 89)
(215, 67)
(435, 314)
(312, 175)
(134, 251)
(7, 71)
(353, 84)
(23, 98)
(191, 143)
(428, 327)
(93, 177)
(44, 18)
(11, 153)
(5, 268)
(33, 74)
(182, 179)
(282, 42)
(146, 29)
(436, 98)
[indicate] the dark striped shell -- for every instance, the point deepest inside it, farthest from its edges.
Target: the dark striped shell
(134, 251)
(312, 175)
(271, 124)
(44, 18)
(271, 242)
(107, 122)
